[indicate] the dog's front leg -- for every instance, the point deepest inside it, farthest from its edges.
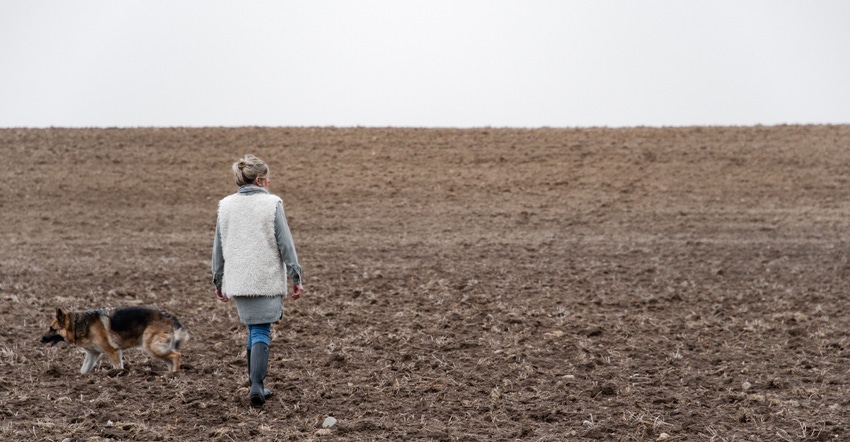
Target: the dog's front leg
(90, 361)
(116, 357)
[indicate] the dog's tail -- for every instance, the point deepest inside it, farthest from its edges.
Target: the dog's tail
(181, 336)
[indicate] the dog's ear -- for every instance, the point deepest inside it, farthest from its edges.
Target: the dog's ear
(60, 316)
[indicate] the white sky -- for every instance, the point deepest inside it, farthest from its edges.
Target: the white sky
(433, 63)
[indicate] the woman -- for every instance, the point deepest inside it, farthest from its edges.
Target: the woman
(252, 254)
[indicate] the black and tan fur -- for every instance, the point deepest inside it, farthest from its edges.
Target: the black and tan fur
(112, 330)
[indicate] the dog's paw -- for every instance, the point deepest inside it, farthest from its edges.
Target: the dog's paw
(116, 372)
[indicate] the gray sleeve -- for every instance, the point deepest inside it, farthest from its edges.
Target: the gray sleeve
(217, 258)
(286, 245)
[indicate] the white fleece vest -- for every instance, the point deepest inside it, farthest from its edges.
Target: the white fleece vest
(252, 263)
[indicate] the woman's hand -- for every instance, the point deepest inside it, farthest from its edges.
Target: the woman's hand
(220, 297)
(297, 291)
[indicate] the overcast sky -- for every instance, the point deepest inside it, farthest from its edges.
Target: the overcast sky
(434, 63)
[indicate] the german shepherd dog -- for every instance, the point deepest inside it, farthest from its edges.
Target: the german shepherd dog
(112, 330)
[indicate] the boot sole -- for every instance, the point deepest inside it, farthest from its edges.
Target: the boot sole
(258, 400)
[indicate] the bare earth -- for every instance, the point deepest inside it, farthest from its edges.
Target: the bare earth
(644, 284)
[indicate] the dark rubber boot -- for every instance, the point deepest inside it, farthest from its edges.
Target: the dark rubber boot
(266, 392)
(259, 362)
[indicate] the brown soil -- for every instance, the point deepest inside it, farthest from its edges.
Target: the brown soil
(484, 284)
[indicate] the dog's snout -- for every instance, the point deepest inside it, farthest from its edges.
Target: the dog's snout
(51, 338)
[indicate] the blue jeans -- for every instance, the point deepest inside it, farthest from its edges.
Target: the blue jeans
(259, 333)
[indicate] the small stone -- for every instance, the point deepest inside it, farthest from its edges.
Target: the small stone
(663, 436)
(329, 422)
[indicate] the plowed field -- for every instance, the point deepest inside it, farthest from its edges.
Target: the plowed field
(642, 284)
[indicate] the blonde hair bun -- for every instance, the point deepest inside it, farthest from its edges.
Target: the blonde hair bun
(248, 169)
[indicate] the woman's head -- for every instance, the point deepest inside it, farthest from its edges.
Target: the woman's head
(248, 169)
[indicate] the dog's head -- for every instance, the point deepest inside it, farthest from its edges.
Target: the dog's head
(58, 329)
